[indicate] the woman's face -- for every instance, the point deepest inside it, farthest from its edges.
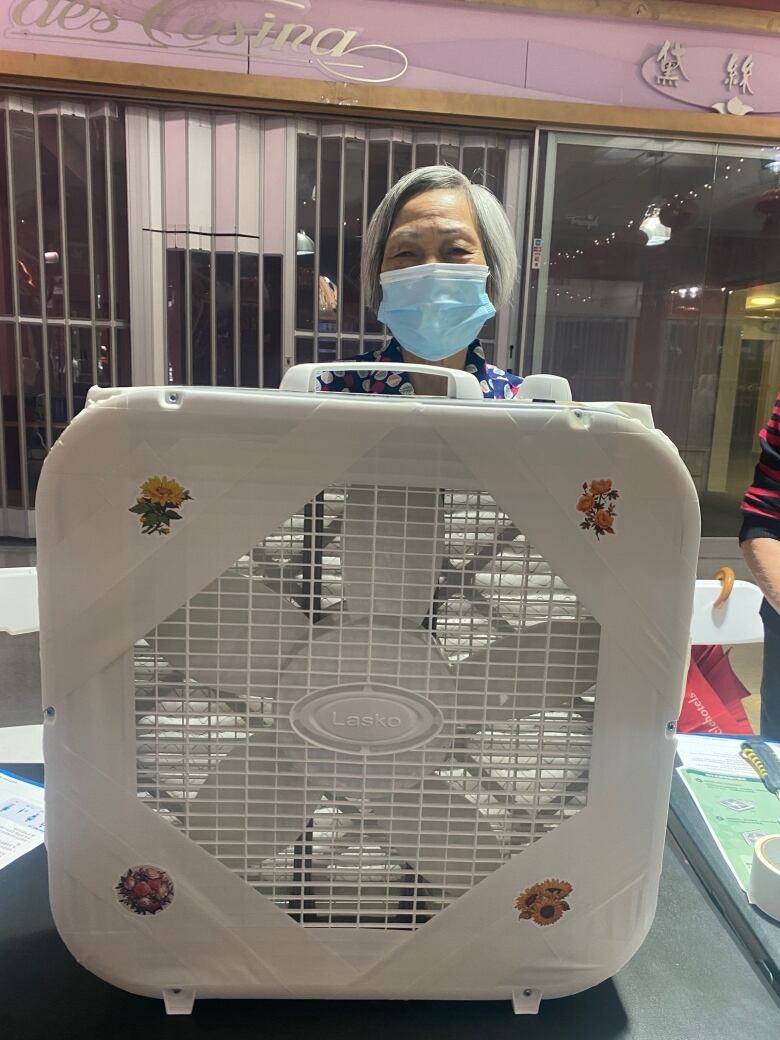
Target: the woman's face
(436, 227)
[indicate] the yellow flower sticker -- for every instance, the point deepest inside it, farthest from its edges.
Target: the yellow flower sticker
(156, 506)
(544, 903)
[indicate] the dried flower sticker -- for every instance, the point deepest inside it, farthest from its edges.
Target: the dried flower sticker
(597, 502)
(145, 890)
(544, 903)
(157, 504)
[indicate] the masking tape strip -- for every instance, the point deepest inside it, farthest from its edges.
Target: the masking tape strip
(764, 887)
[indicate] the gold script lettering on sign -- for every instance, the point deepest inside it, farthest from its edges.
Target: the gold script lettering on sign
(104, 21)
(77, 16)
(70, 16)
(286, 31)
(40, 14)
(347, 36)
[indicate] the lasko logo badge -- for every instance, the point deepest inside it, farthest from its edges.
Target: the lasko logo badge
(366, 719)
(376, 720)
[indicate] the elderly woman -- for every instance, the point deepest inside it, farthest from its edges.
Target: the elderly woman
(438, 259)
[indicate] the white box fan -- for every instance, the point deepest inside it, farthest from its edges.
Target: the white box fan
(359, 697)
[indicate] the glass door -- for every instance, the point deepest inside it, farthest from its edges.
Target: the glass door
(660, 283)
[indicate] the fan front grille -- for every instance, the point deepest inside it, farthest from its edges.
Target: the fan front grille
(428, 590)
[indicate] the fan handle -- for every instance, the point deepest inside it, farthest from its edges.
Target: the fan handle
(460, 385)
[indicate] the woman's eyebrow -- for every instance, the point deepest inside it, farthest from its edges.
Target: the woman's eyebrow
(450, 229)
(403, 234)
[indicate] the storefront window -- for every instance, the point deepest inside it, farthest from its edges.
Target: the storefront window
(64, 318)
(661, 286)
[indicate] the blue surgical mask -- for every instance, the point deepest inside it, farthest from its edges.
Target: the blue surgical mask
(435, 310)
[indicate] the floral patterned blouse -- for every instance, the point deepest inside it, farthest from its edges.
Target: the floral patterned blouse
(495, 382)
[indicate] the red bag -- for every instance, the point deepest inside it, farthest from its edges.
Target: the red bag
(713, 695)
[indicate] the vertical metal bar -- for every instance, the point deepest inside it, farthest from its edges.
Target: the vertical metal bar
(289, 250)
(263, 129)
(363, 230)
(144, 194)
(236, 266)
(90, 234)
(386, 334)
(164, 229)
(544, 271)
(3, 473)
(508, 320)
(65, 268)
(187, 352)
(21, 417)
(340, 247)
(213, 269)
(110, 247)
(42, 269)
(317, 226)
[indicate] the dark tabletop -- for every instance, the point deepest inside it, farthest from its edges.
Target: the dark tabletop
(758, 933)
(691, 980)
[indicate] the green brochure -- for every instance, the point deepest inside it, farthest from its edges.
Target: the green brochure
(738, 811)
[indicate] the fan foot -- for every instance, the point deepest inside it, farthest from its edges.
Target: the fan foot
(526, 1001)
(179, 1000)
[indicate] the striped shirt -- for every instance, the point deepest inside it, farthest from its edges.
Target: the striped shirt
(761, 504)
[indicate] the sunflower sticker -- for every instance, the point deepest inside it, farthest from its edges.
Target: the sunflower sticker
(145, 890)
(544, 903)
(156, 506)
(597, 503)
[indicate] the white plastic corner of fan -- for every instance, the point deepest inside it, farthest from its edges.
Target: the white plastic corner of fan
(359, 698)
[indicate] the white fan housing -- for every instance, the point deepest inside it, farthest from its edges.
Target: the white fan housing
(384, 714)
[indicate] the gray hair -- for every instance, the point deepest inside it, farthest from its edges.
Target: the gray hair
(493, 227)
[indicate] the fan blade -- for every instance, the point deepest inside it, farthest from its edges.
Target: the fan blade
(391, 552)
(540, 668)
(440, 833)
(252, 806)
(234, 636)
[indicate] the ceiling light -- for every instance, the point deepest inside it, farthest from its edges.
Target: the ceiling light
(754, 302)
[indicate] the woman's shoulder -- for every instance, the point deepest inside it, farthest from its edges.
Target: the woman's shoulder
(501, 383)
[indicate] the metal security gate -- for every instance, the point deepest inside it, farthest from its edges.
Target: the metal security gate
(64, 287)
(229, 243)
(254, 226)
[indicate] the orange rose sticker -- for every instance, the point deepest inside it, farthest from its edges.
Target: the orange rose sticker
(544, 903)
(600, 487)
(597, 503)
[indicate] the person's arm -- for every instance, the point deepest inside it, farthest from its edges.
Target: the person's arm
(762, 555)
